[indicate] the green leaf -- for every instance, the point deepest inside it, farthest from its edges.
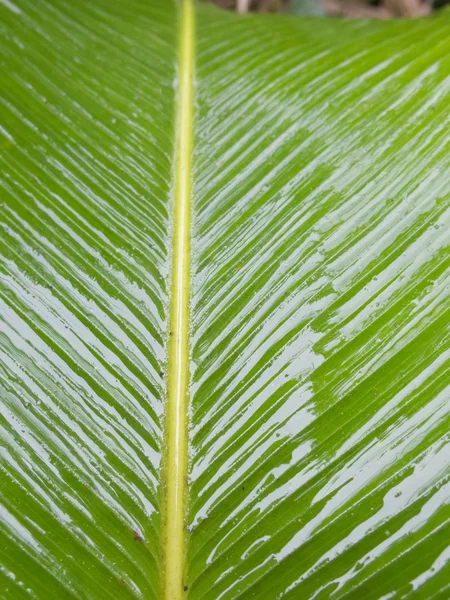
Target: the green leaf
(86, 155)
(319, 458)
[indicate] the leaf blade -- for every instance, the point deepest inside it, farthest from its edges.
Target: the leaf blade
(86, 190)
(316, 312)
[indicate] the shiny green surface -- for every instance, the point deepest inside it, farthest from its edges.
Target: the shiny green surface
(320, 456)
(86, 160)
(319, 451)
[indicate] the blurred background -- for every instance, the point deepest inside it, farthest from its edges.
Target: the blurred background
(356, 9)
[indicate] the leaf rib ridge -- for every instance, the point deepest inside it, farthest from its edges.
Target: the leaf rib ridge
(178, 347)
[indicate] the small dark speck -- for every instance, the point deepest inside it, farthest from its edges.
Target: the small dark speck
(137, 535)
(287, 375)
(185, 588)
(243, 487)
(161, 373)
(170, 332)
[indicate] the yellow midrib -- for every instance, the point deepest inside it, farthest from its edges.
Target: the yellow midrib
(178, 347)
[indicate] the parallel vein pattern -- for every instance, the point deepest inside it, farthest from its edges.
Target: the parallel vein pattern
(86, 148)
(320, 458)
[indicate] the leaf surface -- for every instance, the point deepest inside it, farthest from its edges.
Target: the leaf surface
(320, 456)
(319, 460)
(87, 106)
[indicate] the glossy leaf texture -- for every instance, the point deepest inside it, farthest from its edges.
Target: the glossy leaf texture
(320, 457)
(319, 451)
(87, 138)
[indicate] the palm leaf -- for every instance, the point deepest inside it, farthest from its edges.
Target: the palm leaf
(319, 281)
(87, 159)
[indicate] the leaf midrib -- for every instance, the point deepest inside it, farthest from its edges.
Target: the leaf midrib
(176, 438)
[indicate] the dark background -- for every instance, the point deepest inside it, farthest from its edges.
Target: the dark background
(356, 9)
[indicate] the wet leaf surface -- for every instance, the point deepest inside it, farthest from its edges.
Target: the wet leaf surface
(319, 454)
